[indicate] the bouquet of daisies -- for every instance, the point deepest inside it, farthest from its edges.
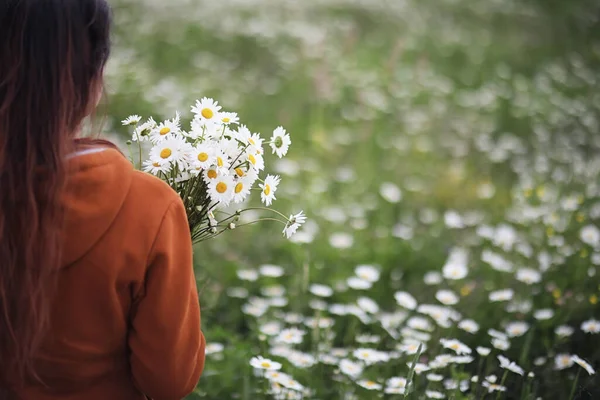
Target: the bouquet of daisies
(214, 164)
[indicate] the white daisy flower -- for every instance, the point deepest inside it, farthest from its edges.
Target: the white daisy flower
(207, 109)
(350, 368)
(469, 325)
(142, 132)
(563, 361)
(446, 297)
(370, 356)
(228, 118)
(396, 382)
(411, 347)
(269, 187)
(501, 295)
(271, 270)
(492, 387)
(564, 331)
(406, 300)
(368, 305)
(456, 266)
(209, 175)
(280, 142)
(583, 364)
(500, 344)
(432, 278)
(203, 156)
(434, 377)
(591, 326)
(241, 190)
(419, 368)
(156, 167)
(320, 290)
(213, 348)
(432, 394)
(457, 346)
(420, 323)
(291, 336)
(166, 130)
(510, 365)
(264, 363)
(221, 189)
(256, 161)
(249, 275)
(590, 235)
(367, 272)
(170, 151)
(295, 222)
(543, 314)
(221, 162)
(529, 276)
(370, 385)
(518, 328)
(483, 351)
(131, 120)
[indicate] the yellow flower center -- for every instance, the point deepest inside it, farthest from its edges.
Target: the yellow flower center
(221, 187)
(365, 354)
(252, 159)
(165, 153)
(267, 190)
(239, 172)
(156, 164)
(225, 119)
(212, 174)
(219, 161)
(239, 187)
(251, 141)
(371, 383)
(265, 364)
(202, 157)
(593, 299)
(207, 113)
(454, 346)
(165, 130)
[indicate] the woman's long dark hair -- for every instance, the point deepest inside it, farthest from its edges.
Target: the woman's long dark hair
(52, 54)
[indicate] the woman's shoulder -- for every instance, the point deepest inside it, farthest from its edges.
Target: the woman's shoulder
(150, 191)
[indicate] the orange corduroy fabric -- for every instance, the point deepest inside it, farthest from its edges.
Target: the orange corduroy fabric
(126, 317)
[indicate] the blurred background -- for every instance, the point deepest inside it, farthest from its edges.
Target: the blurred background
(420, 129)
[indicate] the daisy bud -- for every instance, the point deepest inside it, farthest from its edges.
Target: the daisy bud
(232, 226)
(213, 230)
(128, 142)
(199, 208)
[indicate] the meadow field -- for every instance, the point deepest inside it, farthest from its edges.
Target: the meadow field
(447, 155)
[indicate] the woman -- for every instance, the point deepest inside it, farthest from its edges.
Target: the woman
(97, 294)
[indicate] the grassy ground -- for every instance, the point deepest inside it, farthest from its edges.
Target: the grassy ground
(483, 115)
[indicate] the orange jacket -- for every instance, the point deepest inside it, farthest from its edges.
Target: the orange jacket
(126, 317)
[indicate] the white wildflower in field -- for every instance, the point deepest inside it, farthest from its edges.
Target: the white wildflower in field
(270, 270)
(341, 240)
(461, 360)
(564, 330)
(591, 326)
(456, 265)
(357, 283)
(368, 305)
(563, 361)
(510, 365)
(500, 344)
(501, 295)
(434, 377)
(247, 274)
(483, 351)
(543, 314)
(447, 297)
(390, 192)
(259, 362)
(410, 346)
(590, 235)
(320, 290)
(271, 328)
(432, 278)
(405, 300)
(268, 189)
(367, 272)
(456, 345)
(419, 323)
(528, 276)
(432, 394)
(370, 356)
(132, 120)
(468, 325)
(492, 387)
(517, 328)
(290, 336)
(213, 348)
(369, 384)
(419, 368)
(350, 368)
(294, 223)
(583, 364)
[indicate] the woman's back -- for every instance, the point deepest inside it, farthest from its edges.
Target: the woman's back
(126, 307)
(98, 298)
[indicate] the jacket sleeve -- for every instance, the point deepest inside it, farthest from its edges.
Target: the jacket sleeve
(166, 343)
